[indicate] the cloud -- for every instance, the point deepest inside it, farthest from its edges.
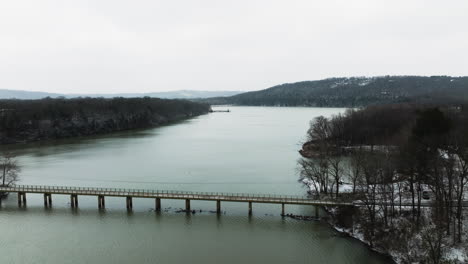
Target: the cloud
(142, 46)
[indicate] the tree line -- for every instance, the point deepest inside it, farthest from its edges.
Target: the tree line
(30, 120)
(391, 156)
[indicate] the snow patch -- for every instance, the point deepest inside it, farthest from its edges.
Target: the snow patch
(457, 254)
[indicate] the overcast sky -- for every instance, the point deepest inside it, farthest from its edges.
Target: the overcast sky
(111, 46)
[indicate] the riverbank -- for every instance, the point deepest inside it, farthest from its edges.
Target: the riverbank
(406, 167)
(352, 233)
(409, 248)
(401, 242)
(348, 233)
(23, 121)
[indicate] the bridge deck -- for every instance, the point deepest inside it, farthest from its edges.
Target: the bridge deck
(207, 196)
(140, 193)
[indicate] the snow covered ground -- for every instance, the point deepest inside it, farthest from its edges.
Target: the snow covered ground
(456, 254)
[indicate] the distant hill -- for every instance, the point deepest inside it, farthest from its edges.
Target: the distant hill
(182, 94)
(18, 94)
(356, 91)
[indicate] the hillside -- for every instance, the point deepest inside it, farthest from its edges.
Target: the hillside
(356, 91)
(180, 94)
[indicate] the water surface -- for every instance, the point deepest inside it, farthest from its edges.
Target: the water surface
(249, 150)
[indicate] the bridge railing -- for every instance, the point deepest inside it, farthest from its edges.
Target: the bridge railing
(146, 192)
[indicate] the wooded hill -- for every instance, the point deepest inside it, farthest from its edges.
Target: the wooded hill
(355, 92)
(33, 120)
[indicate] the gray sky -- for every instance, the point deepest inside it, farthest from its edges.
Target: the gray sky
(104, 46)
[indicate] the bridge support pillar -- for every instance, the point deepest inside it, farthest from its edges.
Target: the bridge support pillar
(282, 209)
(218, 207)
(129, 203)
(187, 205)
(158, 204)
(74, 200)
(47, 200)
(21, 198)
(317, 211)
(101, 202)
(250, 208)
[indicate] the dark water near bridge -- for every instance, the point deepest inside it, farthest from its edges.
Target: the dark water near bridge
(249, 150)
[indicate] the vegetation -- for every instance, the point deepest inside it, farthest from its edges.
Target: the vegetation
(355, 92)
(9, 169)
(407, 165)
(32, 120)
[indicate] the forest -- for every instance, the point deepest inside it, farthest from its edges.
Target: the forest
(33, 120)
(405, 165)
(355, 92)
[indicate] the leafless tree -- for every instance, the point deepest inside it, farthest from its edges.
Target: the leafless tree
(316, 171)
(433, 240)
(9, 168)
(355, 167)
(320, 130)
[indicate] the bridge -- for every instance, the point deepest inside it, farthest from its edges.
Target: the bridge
(129, 194)
(218, 197)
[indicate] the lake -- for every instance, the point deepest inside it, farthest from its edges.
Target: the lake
(249, 150)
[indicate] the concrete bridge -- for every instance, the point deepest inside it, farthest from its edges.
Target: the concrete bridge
(218, 197)
(129, 194)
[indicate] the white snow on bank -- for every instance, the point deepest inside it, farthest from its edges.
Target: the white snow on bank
(454, 254)
(457, 254)
(344, 188)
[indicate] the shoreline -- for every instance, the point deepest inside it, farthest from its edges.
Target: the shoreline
(346, 233)
(98, 134)
(451, 253)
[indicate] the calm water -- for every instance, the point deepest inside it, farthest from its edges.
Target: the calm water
(250, 150)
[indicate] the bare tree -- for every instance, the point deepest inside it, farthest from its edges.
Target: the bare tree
(320, 130)
(9, 168)
(433, 241)
(355, 167)
(316, 171)
(336, 171)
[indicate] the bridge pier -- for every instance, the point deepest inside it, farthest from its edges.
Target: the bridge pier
(218, 207)
(101, 202)
(187, 205)
(158, 204)
(74, 200)
(250, 208)
(282, 209)
(47, 200)
(317, 211)
(21, 198)
(129, 203)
